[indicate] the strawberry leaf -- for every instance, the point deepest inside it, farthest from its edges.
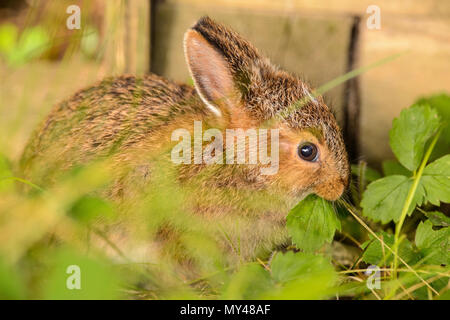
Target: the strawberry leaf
(392, 167)
(311, 223)
(438, 218)
(410, 132)
(374, 253)
(384, 199)
(436, 181)
(433, 244)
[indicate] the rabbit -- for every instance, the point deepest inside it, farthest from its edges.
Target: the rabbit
(127, 118)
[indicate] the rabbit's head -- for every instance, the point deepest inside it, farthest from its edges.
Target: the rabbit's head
(245, 90)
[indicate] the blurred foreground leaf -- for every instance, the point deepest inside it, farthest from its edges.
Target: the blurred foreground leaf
(250, 282)
(302, 276)
(11, 285)
(31, 44)
(292, 276)
(8, 38)
(97, 279)
(89, 207)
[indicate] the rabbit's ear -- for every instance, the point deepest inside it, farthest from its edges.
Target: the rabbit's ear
(210, 71)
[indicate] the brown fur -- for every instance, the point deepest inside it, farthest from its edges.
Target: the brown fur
(131, 119)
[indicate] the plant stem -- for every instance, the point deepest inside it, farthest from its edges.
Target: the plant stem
(409, 200)
(351, 210)
(24, 182)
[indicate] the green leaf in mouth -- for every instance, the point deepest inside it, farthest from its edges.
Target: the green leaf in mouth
(311, 223)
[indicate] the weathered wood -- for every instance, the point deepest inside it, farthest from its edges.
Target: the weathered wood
(423, 69)
(428, 8)
(127, 36)
(314, 47)
(352, 100)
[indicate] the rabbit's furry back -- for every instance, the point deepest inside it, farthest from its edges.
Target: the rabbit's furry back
(130, 119)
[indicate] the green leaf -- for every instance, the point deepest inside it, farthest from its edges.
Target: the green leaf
(302, 276)
(441, 103)
(250, 282)
(384, 199)
(32, 44)
(410, 132)
(438, 218)
(290, 266)
(8, 38)
(375, 254)
(436, 181)
(311, 223)
(11, 284)
(369, 173)
(98, 280)
(89, 41)
(292, 276)
(433, 244)
(392, 167)
(88, 208)
(445, 295)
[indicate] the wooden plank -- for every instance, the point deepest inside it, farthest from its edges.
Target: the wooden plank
(423, 70)
(435, 8)
(313, 47)
(127, 36)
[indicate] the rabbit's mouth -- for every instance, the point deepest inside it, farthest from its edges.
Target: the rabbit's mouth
(330, 191)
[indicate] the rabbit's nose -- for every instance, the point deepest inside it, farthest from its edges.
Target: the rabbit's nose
(331, 190)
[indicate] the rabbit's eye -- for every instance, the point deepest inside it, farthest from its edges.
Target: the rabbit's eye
(307, 151)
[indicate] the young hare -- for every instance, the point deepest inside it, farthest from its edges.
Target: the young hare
(128, 119)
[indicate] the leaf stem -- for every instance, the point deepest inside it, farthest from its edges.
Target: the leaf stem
(351, 209)
(410, 198)
(24, 182)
